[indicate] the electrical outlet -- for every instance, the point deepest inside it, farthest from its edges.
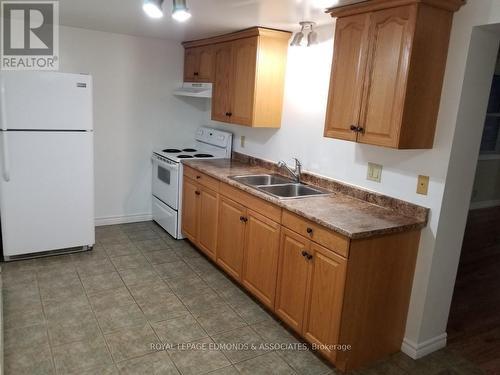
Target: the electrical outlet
(374, 172)
(242, 141)
(423, 185)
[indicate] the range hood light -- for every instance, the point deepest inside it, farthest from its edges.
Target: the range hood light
(153, 8)
(180, 12)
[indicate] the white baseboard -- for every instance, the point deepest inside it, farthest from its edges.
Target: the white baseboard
(112, 220)
(484, 204)
(419, 350)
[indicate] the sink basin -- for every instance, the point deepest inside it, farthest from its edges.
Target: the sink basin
(262, 179)
(292, 190)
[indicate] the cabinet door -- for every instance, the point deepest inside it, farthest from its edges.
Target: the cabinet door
(190, 208)
(190, 64)
(222, 87)
(260, 264)
(207, 221)
(243, 81)
(293, 271)
(205, 64)
(348, 72)
(231, 236)
(325, 293)
(391, 33)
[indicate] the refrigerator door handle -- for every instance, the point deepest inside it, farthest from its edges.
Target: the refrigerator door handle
(5, 157)
(5, 143)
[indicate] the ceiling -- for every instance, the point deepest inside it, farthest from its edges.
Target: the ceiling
(210, 17)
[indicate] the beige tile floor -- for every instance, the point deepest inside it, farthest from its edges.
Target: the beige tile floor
(100, 312)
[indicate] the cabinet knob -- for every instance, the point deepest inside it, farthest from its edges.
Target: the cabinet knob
(243, 219)
(309, 256)
(304, 253)
(360, 129)
(196, 73)
(197, 192)
(354, 128)
(198, 177)
(229, 114)
(309, 230)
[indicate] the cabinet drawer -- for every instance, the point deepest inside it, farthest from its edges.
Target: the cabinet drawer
(317, 233)
(201, 178)
(260, 206)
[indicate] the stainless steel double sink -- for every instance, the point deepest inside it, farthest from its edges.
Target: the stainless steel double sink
(279, 186)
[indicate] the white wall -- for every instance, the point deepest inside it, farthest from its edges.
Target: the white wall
(134, 111)
(300, 135)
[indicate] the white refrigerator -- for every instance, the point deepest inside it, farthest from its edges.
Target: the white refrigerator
(47, 163)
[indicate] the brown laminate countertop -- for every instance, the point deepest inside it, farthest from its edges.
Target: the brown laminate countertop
(341, 213)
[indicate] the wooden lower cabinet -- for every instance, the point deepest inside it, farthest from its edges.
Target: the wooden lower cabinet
(260, 263)
(200, 216)
(325, 292)
(190, 208)
(231, 236)
(293, 273)
(333, 291)
(207, 221)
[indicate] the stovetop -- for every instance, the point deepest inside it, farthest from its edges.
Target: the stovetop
(208, 144)
(179, 154)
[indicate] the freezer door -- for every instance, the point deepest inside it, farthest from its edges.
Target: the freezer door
(48, 201)
(46, 101)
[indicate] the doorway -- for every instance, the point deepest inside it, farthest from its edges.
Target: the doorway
(474, 320)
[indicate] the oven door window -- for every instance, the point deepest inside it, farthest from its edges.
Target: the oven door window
(164, 175)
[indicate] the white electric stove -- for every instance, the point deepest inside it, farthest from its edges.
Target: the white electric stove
(167, 174)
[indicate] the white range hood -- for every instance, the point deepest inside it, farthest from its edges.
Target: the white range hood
(195, 90)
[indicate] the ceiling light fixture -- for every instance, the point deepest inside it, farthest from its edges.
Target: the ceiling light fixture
(153, 8)
(180, 11)
(312, 36)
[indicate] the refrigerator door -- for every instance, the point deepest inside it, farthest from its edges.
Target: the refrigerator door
(48, 203)
(46, 101)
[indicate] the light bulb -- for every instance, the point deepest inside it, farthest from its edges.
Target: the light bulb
(181, 15)
(153, 8)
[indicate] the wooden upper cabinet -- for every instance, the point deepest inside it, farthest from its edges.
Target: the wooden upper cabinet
(388, 70)
(198, 64)
(243, 81)
(221, 97)
(346, 86)
(391, 33)
(248, 75)
(260, 264)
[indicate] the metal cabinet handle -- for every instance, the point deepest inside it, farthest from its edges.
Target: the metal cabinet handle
(353, 128)
(360, 129)
(309, 230)
(243, 219)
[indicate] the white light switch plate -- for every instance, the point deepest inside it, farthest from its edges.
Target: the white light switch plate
(374, 172)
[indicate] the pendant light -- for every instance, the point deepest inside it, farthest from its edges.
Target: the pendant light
(153, 8)
(180, 11)
(312, 36)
